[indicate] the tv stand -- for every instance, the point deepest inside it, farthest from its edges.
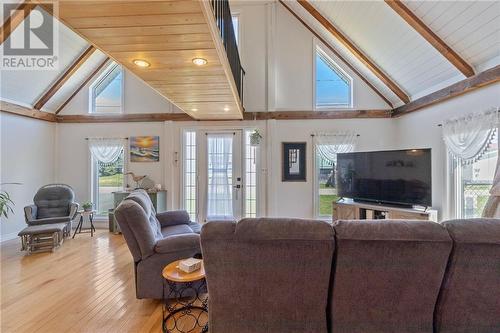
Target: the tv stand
(352, 210)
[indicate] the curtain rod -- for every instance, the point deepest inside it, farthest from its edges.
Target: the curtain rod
(493, 109)
(106, 138)
(336, 134)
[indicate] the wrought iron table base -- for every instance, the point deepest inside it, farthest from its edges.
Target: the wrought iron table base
(180, 295)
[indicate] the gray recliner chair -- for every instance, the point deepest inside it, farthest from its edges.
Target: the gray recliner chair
(53, 203)
(155, 240)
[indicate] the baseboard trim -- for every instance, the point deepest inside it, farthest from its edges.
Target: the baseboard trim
(8, 237)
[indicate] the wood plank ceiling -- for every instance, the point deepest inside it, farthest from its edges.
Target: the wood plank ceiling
(168, 35)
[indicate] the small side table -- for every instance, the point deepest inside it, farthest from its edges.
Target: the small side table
(88, 215)
(182, 288)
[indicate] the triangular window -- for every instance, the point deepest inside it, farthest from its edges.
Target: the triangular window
(106, 93)
(333, 85)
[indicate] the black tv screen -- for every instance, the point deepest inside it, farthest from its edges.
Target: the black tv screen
(396, 176)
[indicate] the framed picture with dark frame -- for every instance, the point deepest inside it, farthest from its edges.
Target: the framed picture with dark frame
(294, 162)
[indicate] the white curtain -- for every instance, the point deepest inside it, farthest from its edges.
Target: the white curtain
(329, 145)
(220, 174)
(106, 150)
(468, 138)
(492, 207)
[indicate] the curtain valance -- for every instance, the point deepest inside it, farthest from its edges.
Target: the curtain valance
(467, 138)
(329, 145)
(106, 150)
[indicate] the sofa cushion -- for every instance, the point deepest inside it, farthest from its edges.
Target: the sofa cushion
(178, 243)
(136, 228)
(256, 283)
(143, 199)
(176, 230)
(53, 200)
(387, 275)
(196, 227)
(173, 217)
(470, 296)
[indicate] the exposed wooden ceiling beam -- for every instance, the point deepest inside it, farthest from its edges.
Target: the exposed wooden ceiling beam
(482, 79)
(83, 84)
(281, 115)
(453, 57)
(26, 112)
(65, 77)
(123, 118)
(355, 51)
(309, 115)
(13, 21)
(335, 52)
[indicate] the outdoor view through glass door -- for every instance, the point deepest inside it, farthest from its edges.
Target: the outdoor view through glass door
(220, 178)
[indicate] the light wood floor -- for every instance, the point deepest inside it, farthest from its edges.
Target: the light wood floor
(87, 285)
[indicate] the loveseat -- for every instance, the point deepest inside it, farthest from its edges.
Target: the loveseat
(290, 275)
(155, 240)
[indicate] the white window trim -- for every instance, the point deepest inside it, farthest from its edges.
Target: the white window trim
(318, 47)
(260, 173)
(454, 189)
(99, 79)
(238, 15)
(94, 178)
(182, 180)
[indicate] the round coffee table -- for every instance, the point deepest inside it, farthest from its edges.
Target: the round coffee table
(185, 290)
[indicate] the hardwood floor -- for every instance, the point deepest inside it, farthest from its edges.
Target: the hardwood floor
(87, 285)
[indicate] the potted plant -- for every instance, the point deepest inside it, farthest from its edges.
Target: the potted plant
(87, 206)
(6, 202)
(255, 138)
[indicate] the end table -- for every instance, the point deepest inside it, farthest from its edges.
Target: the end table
(185, 291)
(89, 216)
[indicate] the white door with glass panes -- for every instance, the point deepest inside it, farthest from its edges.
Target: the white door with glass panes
(219, 175)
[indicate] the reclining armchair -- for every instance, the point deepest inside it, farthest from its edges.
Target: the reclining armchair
(53, 203)
(155, 240)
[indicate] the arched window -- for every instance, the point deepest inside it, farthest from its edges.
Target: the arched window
(333, 87)
(107, 91)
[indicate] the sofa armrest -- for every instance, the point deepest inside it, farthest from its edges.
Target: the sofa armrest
(173, 217)
(178, 243)
(73, 209)
(30, 213)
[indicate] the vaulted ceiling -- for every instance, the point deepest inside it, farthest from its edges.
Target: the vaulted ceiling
(469, 28)
(392, 52)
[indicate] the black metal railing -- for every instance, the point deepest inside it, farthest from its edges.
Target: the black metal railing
(224, 21)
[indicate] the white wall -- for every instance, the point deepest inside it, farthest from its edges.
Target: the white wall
(279, 59)
(73, 167)
(295, 199)
(420, 130)
(27, 157)
(138, 98)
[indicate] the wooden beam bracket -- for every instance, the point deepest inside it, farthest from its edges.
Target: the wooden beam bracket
(482, 79)
(433, 39)
(64, 77)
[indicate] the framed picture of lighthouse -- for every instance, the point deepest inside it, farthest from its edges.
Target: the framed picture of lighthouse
(144, 149)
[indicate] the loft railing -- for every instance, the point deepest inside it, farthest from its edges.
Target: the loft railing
(224, 21)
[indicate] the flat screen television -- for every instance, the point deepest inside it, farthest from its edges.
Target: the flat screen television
(401, 177)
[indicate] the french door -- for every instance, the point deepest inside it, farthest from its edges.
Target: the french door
(220, 175)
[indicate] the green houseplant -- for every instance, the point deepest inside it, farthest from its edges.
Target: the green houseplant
(87, 206)
(6, 202)
(255, 138)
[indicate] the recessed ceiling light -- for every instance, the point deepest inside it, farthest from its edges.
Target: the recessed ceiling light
(141, 63)
(199, 61)
(194, 110)
(226, 109)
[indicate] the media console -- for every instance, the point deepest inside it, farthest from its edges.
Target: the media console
(352, 210)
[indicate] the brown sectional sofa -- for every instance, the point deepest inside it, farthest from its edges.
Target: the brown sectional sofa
(290, 275)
